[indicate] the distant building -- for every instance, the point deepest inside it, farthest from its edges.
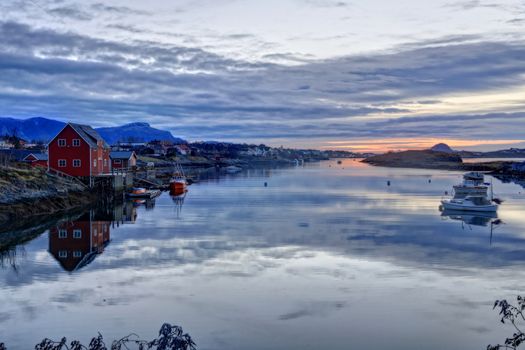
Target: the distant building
(183, 149)
(37, 159)
(123, 160)
(78, 150)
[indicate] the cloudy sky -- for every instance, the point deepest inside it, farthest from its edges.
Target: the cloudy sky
(357, 75)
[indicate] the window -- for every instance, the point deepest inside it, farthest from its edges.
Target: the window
(77, 233)
(61, 142)
(62, 254)
(62, 233)
(118, 161)
(105, 162)
(62, 163)
(94, 163)
(77, 254)
(95, 232)
(76, 163)
(76, 142)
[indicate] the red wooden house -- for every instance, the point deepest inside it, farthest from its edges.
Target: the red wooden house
(78, 150)
(123, 160)
(37, 159)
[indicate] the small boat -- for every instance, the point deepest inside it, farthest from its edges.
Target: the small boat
(178, 181)
(470, 203)
(139, 192)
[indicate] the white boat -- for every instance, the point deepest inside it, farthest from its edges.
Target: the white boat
(470, 203)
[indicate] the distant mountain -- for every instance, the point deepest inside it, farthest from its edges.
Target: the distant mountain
(136, 132)
(442, 147)
(33, 129)
(43, 129)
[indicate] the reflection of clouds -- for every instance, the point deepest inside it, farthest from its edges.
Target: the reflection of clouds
(217, 270)
(313, 309)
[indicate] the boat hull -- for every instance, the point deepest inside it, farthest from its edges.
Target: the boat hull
(461, 207)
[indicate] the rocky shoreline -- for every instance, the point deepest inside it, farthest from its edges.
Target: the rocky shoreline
(26, 191)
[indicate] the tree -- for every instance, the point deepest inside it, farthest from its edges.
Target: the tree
(170, 338)
(513, 315)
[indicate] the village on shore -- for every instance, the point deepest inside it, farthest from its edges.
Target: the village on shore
(77, 166)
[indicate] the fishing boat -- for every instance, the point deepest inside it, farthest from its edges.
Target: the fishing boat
(178, 181)
(470, 203)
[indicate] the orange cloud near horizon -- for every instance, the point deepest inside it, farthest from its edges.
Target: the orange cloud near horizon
(403, 144)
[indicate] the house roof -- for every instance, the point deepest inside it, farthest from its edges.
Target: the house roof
(38, 156)
(90, 135)
(121, 154)
(15, 154)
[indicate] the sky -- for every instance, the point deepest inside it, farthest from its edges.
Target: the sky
(369, 75)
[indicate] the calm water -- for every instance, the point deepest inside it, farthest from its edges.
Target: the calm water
(327, 256)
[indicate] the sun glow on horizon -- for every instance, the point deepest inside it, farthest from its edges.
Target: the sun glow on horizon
(403, 144)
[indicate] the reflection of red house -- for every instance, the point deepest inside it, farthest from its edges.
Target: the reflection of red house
(36, 159)
(78, 150)
(76, 244)
(123, 159)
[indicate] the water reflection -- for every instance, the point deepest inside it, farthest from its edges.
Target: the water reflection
(474, 219)
(248, 266)
(75, 244)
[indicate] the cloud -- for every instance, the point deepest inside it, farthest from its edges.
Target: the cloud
(124, 10)
(201, 95)
(70, 12)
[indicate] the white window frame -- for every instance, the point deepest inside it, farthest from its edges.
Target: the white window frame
(76, 142)
(62, 161)
(118, 161)
(62, 142)
(77, 233)
(62, 233)
(62, 254)
(79, 163)
(105, 162)
(77, 254)
(94, 163)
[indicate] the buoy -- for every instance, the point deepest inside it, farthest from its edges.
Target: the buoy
(429, 180)
(388, 183)
(266, 184)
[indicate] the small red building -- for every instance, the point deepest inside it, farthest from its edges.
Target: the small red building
(123, 160)
(37, 159)
(78, 150)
